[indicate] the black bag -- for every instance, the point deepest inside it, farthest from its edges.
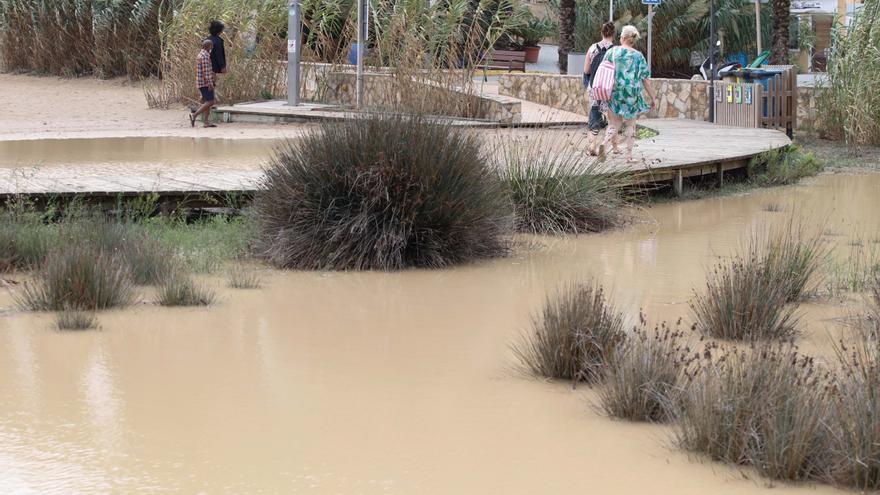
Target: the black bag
(597, 60)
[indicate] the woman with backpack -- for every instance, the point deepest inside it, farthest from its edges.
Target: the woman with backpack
(626, 103)
(595, 55)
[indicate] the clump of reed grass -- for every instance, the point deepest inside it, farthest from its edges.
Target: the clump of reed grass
(849, 105)
(793, 258)
(573, 336)
(748, 296)
(764, 407)
(241, 277)
(555, 191)
(181, 290)
(743, 300)
(783, 166)
(644, 376)
(75, 320)
(81, 276)
(383, 193)
(854, 445)
(76, 37)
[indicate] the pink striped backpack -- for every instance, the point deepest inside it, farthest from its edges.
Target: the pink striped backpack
(603, 82)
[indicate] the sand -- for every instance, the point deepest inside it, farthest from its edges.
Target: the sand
(36, 107)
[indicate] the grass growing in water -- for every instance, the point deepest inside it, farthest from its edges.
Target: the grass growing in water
(645, 374)
(747, 296)
(855, 422)
(81, 276)
(181, 290)
(242, 277)
(575, 333)
(382, 193)
(555, 191)
(75, 320)
(762, 407)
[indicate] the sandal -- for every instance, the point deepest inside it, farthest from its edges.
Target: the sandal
(210, 125)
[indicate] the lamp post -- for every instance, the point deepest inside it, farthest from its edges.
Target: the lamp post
(294, 50)
(711, 60)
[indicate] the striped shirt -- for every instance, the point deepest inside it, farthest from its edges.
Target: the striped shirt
(204, 74)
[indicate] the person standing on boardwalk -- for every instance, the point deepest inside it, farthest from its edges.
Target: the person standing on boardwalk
(218, 53)
(595, 55)
(627, 103)
(205, 83)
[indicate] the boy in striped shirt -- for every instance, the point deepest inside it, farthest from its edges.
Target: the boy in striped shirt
(205, 83)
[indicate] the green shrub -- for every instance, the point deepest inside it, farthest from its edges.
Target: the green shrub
(382, 193)
(555, 191)
(24, 241)
(763, 407)
(783, 166)
(80, 276)
(574, 335)
(181, 290)
(644, 376)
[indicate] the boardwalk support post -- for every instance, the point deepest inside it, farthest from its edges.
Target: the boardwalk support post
(678, 182)
(719, 171)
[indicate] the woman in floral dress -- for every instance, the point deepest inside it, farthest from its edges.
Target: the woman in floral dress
(627, 103)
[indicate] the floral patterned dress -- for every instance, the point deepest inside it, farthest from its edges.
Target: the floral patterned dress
(630, 68)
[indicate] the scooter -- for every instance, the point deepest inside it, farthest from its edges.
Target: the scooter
(722, 68)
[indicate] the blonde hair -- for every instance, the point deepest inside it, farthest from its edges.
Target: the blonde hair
(630, 33)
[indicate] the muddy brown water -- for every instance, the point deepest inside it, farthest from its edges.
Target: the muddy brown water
(132, 150)
(381, 383)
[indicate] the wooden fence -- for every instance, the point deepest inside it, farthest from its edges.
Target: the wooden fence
(751, 105)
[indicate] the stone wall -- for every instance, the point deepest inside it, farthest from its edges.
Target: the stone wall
(678, 97)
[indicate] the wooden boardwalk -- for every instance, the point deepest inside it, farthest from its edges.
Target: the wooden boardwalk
(682, 148)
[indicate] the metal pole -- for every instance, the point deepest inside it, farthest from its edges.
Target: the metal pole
(758, 24)
(650, 23)
(711, 60)
(363, 12)
(610, 10)
(294, 39)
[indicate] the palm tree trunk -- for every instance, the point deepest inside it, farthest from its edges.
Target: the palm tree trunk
(779, 51)
(566, 32)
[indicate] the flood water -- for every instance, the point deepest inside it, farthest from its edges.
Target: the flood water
(382, 383)
(133, 150)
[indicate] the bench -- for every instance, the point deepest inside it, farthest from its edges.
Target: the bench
(504, 59)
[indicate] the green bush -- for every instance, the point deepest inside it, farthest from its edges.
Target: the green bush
(783, 166)
(382, 193)
(573, 336)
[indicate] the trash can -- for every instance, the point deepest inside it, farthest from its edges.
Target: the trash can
(761, 76)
